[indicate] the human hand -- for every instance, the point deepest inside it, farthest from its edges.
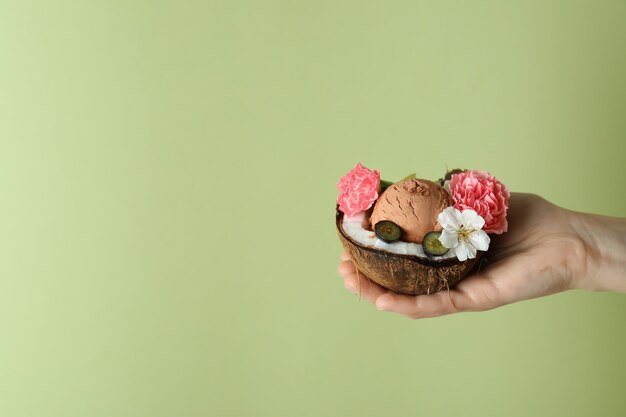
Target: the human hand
(547, 249)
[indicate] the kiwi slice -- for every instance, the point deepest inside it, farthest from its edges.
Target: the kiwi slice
(432, 245)
(387, 231)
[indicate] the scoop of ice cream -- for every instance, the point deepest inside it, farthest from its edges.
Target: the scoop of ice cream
(414, 205)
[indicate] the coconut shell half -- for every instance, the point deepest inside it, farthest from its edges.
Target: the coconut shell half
(404, 274)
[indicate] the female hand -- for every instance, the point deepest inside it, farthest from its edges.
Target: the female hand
(546, 250)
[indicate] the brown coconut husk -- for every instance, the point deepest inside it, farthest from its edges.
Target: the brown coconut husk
(404, 274)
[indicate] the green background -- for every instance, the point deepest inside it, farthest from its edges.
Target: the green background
(167, 187)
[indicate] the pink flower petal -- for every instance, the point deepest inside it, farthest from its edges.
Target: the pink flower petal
(482, 192)
(358, 190)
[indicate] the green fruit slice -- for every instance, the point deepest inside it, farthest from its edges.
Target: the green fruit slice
(387, 231)
(432, 245)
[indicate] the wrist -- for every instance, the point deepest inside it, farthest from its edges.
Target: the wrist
(605, 238)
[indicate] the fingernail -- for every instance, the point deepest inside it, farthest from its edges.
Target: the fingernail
(350, 287)
(381, 304)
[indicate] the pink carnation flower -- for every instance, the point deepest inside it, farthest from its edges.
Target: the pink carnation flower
(483, 193)
(358, 190)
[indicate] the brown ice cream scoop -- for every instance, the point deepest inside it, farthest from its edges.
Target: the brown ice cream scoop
(413, 204)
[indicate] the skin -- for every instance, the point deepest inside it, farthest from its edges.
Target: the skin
(547, 249)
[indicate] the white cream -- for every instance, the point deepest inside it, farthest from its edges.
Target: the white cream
(353, 226)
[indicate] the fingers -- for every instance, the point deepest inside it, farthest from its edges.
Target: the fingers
(476, 293)
(417, 306)
(357, 283)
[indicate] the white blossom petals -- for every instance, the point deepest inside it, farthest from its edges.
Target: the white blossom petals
(450, 218)
(480, 240)
(462, 232)
(470, 249)
(465, 251)
(471, 219)
(449, 239)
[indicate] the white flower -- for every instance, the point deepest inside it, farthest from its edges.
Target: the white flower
(462, 232)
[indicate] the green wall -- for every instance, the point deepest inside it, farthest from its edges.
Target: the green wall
(167, 188)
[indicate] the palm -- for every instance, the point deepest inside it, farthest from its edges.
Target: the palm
(534, 258)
